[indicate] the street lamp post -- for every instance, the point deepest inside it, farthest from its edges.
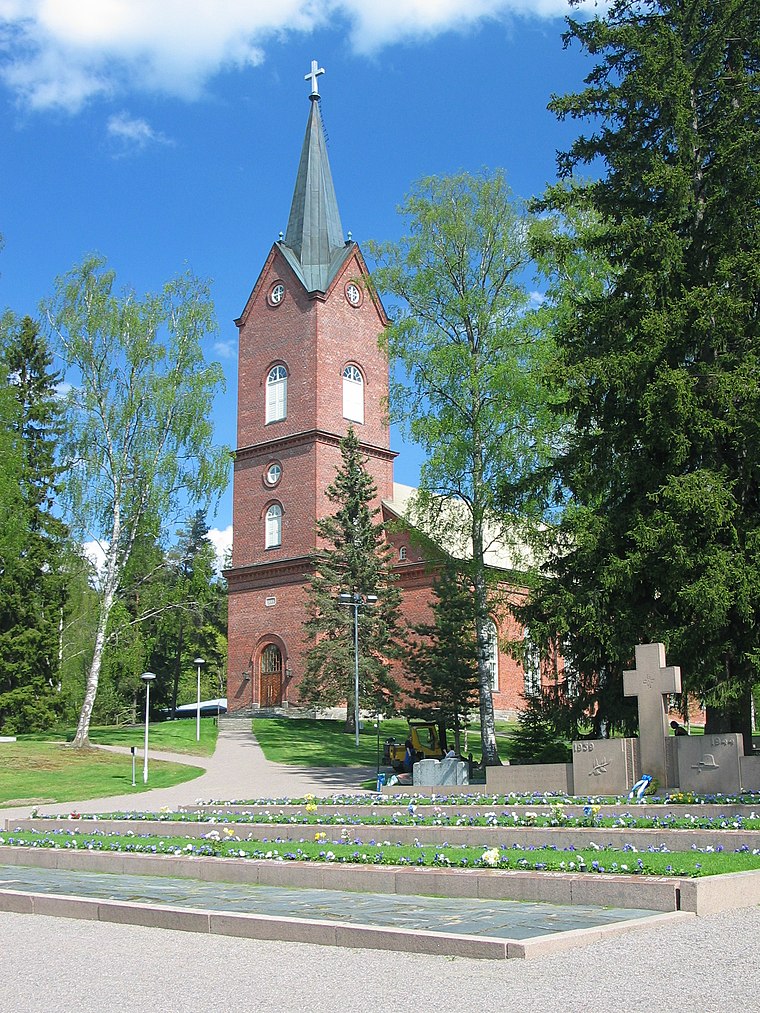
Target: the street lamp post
(199, 662)
(356, 601)
(147, 678)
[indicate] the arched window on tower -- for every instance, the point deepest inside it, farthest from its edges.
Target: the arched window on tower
(277, 394)
(273, 527)
(353, 394)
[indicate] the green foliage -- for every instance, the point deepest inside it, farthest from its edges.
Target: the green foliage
(190, 619)
(138, 423)
(657, 365)
(172, 610)
(443, 660)
(536, 739)
(32, 585)
(355, 559)
(467, 348)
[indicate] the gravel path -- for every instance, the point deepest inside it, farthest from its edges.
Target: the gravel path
(702, 964)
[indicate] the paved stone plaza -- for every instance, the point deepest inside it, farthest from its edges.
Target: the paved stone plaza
(501, 919)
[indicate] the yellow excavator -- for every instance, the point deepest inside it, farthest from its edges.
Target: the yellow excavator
(426, 744)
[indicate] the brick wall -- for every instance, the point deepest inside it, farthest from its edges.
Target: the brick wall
(314, 337)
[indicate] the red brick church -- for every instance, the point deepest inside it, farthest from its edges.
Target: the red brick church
(309, 367)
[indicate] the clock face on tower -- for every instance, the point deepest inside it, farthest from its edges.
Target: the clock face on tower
(276, 294)
(353, 294)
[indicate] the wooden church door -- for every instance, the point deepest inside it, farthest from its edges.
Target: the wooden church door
(271, 676)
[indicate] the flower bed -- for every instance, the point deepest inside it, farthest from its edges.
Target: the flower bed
(225, 844)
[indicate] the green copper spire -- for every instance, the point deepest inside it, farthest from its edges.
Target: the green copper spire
(313, 243)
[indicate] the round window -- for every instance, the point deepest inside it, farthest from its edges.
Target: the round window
(353, 294)
(273, 473)
(276, 294)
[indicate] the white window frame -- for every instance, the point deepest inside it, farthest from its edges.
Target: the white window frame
(353, 394)
(273, 527)
(276, 395)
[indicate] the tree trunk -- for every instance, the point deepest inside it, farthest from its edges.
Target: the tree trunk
(350, 727)
(487, 721)
(82, 738)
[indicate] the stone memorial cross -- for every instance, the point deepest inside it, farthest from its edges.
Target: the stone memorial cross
(650, 681)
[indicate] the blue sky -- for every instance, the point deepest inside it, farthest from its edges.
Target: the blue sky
(166, 134)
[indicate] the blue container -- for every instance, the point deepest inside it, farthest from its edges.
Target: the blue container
(380, 781)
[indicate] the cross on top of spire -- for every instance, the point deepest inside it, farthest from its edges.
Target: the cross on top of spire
(312, 76)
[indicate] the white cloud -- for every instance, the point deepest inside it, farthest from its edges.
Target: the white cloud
(134, 133)
(60, 54)
(96, 553)
(226, 349)
(222, 542)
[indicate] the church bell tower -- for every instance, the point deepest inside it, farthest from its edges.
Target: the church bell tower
(309, 366)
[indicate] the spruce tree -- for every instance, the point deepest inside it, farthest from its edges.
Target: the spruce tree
(354, 558)
(32, 585)
(660, 473)
(443, 660)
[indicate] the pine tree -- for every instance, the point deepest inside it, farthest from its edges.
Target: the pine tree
(660, 474)
(443, 661)
(355, 558)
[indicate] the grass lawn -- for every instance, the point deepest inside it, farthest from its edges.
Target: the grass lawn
(47, 772)
(169, 736)
(325, 743)
(322, 743)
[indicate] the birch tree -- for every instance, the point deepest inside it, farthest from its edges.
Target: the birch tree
(139, 444)
(466, 350)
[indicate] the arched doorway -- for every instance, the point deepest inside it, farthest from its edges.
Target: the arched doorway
(271, 676)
